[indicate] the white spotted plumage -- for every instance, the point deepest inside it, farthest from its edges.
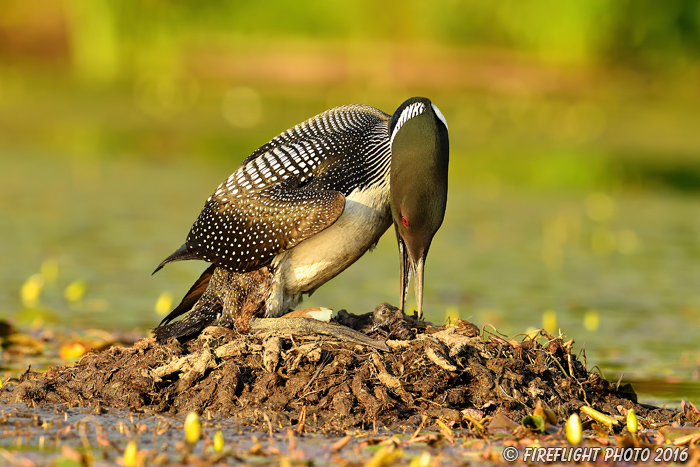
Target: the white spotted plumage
(292, 187)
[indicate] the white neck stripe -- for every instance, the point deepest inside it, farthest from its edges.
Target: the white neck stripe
(439, 115)
(408, 113)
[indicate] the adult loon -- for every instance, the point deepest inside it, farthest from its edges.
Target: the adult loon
(309, 203)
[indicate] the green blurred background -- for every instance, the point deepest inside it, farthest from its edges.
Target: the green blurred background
(575, 166)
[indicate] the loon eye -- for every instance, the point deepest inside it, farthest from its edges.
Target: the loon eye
(404, 221)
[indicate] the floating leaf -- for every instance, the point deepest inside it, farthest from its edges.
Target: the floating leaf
(672, 433)
(500, 421)
(550, 416)
(63, 461)
(534, 422)
(23, 344)
(385, 457)
(539, 410)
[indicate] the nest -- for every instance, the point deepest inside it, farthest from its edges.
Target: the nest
(454, 373)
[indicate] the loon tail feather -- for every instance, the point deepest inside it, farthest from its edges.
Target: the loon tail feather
(190, 325)
(183, 253)
(191, 297)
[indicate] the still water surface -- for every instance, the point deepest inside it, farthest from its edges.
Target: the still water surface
(618, 273)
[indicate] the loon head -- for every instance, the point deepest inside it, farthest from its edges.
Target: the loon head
(418, 185)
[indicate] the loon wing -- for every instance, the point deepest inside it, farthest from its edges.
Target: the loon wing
(191, 297)
(290, 189)
(246, 233)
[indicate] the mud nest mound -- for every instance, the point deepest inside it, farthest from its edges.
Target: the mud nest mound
(454, 373)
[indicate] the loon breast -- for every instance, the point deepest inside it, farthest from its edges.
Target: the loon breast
(318, 259)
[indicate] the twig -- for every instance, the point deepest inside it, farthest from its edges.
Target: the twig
(301, 326)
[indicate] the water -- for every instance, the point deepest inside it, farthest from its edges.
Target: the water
(41, 435)
(504, 256)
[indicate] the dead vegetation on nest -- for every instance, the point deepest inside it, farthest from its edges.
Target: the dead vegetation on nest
(453, 373)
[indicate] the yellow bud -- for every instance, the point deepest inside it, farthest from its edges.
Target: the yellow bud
(451, 314)
(573, 429)
(164, 303)
(72, 351)
(218, 441)
(385, 457)
(193, 427)
(549, 321)
(75, 291)
(424, 460)
(31, 290)
(130, 454)
(591, 320)
(632, 422)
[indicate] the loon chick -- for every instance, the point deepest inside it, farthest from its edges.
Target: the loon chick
(309, 203)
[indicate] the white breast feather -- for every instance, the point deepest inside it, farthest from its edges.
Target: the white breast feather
(320, 258)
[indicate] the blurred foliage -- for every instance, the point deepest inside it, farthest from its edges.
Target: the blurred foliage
(590, 94)
(106, 38)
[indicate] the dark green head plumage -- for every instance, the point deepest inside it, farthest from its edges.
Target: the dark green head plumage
(419, 161)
